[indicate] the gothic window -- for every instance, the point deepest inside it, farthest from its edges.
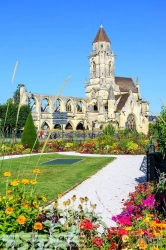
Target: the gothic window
(57, 105)
(68, 106)
(45, 105)
(131, 122)
(110, 68)
(69, 126)
(94, 68)
(32, 103)
(79, 107)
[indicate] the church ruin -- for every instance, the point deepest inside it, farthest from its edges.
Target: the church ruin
(108, 99)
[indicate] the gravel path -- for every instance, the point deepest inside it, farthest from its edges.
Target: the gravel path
(111, 184)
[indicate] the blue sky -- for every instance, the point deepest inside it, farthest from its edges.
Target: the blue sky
(51, 40)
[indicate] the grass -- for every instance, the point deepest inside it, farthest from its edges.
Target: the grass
(54, 179)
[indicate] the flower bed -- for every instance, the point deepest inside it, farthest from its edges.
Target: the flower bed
(26, 223)
(102, 145)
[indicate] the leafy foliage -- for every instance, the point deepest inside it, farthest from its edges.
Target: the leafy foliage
(109, 130)
(29, 136)
(16, 94)
(8, 116)
(160, 128)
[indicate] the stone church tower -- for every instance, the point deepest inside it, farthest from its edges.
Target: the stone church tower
(109, 99)
(112, 99)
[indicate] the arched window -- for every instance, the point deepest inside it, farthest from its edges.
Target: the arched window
(68, 126)
(45, 105)
(57, 105)
(110, 68)
(79, 107)
(131, 122)
(32, 104)
(68, 106)
(94, 68)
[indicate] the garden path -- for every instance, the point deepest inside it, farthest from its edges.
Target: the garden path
(111, 184)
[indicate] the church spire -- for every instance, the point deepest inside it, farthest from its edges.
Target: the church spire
(101, 36)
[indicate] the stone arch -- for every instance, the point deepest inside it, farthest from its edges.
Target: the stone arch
(80, 126)
(57, 105)
(46, 125)
(33, 103)
(79, 106)
(45, 105)
(131, 122)
(69, 105)
(69, 126)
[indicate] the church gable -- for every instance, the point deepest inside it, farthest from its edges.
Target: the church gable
(122, 101)
(126, 84)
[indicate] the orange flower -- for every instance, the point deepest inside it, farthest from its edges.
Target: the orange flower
(7, 174)
(38, 226)
(37, 171)
(33, 182)
(25, 181)
(142, 244)
(8, 191)
(24, 204)
(21, 219)
(9, 210)
(14, 183)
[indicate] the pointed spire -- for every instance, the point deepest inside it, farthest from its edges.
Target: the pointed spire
(101, 36)
(137, 81)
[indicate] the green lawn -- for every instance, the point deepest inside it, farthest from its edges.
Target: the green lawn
(54, 179)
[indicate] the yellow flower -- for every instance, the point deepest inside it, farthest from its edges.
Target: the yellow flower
(59, 196)
(7, 174)
(82, 199)
(9, 210)
(73, 198)
(142, 244)
(55, 203)
(38, 226)
(33, 182)
(154, 248)
(4, 197)
(128, 228)
(86, 199)
(37, 171)
(21, 220)
(8, 191)
(10, 198)
(125, 238)
(35, 204)
(43, 198)
(25, 181)
(14, 183)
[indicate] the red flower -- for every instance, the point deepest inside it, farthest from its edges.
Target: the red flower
(122, 231)
(98, 241)
(86, 224)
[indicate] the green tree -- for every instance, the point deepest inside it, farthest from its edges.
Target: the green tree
(8, 116)
(16, 94)
(160, 129)
(29, 136)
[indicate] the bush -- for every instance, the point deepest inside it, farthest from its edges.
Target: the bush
(109, 130)
(29, 136)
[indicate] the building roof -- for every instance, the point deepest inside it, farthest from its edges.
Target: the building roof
(126, 84)
(101, 36)
(122, 101)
